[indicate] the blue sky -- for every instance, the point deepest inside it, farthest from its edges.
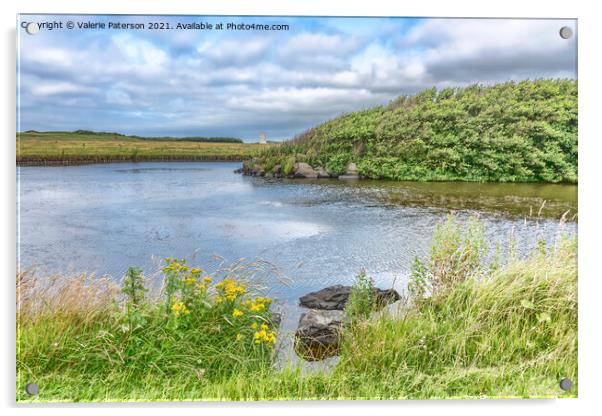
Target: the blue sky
(240, 83)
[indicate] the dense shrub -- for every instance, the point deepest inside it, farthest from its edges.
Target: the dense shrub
(509, 132)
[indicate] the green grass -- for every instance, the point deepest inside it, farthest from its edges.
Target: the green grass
(479, 328)
(49, 148)
(509, 132)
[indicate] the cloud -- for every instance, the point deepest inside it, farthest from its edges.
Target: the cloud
(240, 83)
(473, 50)
(231, 51)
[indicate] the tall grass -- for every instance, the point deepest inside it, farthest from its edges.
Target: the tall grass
(478, 329)
(79, 340)
(510, 333)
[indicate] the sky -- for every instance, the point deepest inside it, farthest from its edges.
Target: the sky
(238, 83)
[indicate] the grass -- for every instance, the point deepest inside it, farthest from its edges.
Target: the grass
(48, 148)
(478, 327)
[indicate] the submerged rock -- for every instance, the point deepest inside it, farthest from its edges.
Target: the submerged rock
(336, 297)
(317, 336)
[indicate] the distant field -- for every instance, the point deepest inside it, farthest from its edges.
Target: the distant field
(50, 148)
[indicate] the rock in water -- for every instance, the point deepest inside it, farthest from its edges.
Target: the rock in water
(330, 298)
(323, 173)
(386, 296)
(335, 297)
(317, 336)
(303, 170)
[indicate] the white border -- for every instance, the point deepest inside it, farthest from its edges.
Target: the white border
(590, 288)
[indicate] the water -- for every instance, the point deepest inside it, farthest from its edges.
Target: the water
(105, 218)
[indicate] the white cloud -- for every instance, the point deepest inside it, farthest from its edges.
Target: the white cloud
(42, 88)
(303, 100)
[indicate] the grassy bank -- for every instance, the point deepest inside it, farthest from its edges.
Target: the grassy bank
(472, 326)
(52, 148)
(510, 132)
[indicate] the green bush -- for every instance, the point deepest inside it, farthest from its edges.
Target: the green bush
(509, 132)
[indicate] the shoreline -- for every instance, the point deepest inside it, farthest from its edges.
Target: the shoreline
(241, 171)
(92, 161)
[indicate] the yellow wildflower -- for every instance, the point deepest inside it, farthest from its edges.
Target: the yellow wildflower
(238, 337)
(254, 325)
(190, 280)
(207, 279)
(265, 336)
(180, 308)
(236, 313)
(257, 307)
(195, 270)
(230, 289)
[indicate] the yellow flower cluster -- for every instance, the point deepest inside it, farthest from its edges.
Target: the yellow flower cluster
(180, 308)
(203, 285)
(265, 335)
(175, 265)
(237, 312)
(230, 290)
(259, 304)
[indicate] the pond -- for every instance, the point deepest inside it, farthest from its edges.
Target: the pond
(313, 233)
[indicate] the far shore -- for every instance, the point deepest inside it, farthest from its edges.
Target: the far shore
(96, 161)
(80, 148)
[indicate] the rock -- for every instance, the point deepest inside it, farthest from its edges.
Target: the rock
(303, 170)
(352, 169)
(330, 298)
(317, 336)
(345, 177)
(335, 297)
(322, 173)
(276, 169)
(276, 319)
(269, 175)
(387, 296)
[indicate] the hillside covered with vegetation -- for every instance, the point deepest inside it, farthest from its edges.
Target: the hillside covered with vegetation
(509, 132)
